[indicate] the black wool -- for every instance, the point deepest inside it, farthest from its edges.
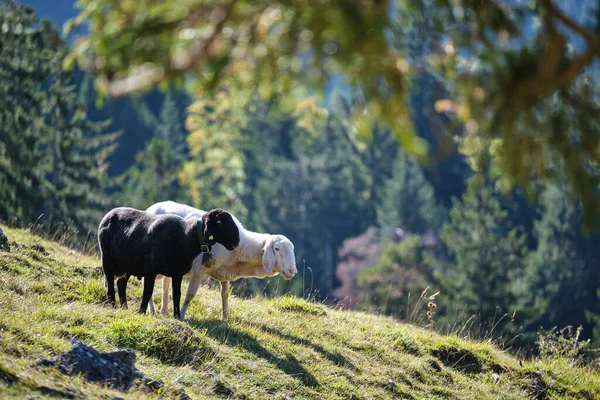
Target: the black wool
(144, 245)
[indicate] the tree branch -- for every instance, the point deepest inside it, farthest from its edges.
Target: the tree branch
(145, 77)
(543, 86)
(574, 26)
(575, 67)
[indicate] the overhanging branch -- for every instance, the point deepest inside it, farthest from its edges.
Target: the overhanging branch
(145, 77)
(568, 22)
(541, 87)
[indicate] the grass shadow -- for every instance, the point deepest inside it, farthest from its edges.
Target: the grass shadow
(459, 359)
(221, 331)
(334, 357)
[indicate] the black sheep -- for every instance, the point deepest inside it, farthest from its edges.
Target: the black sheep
(144, 245)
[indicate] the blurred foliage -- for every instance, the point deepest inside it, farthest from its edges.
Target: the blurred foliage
(133, 46)
(519, 73)
(215, 172)
(403, 272)
(524, 79)
(53, 161)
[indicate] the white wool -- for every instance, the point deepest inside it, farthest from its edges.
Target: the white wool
(182, 210)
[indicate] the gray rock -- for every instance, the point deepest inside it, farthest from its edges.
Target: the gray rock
(116, 368)
(3, 242)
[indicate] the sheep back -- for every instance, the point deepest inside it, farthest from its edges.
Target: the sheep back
(131, 240)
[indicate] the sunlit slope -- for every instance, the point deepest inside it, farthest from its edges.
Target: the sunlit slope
(269, 349)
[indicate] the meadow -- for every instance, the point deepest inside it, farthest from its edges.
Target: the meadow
(280, 348)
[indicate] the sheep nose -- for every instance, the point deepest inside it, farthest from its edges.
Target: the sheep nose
(289, 274)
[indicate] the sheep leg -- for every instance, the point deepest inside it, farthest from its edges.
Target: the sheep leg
(147, 294)
(176, 295)
(196, 276)
(164, 304)
(225, 298)
(151, 302)
(151, 305)
(122, 289)
(109, 283)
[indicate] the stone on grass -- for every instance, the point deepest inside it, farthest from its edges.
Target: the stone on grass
(3, 242)
(115, 368)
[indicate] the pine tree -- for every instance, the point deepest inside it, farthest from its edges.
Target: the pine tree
(26, 55)
(155, 175)
(53, 160)
(402, 273)
(489, 257)
(137, 117)
(564, 273)
(77, 152)
(340, 184)
(171, 127)
(409, 199)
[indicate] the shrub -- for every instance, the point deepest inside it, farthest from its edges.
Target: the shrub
(563, 343)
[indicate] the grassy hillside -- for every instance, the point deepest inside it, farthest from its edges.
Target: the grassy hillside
(270, 349)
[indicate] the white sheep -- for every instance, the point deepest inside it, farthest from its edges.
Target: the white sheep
(258, 255)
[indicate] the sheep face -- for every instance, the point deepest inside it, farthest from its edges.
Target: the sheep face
(219, 227)
(278, 257)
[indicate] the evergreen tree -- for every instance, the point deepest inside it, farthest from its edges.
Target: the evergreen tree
(138, 117)
(409, 199)
(340, 182)
(489, 257)
(279, 175)
(26, 57)
(378, 159)
(171, 127)
(402, 273)
(76, 154)
(52, 160)
(564, 276)
(155, 175)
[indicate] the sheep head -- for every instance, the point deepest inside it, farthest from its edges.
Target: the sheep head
(278, 257)
(219, 227)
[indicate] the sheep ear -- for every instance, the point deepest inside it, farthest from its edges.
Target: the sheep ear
(208, 228)
(268, 258)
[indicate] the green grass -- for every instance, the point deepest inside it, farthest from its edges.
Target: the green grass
(269, 349)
